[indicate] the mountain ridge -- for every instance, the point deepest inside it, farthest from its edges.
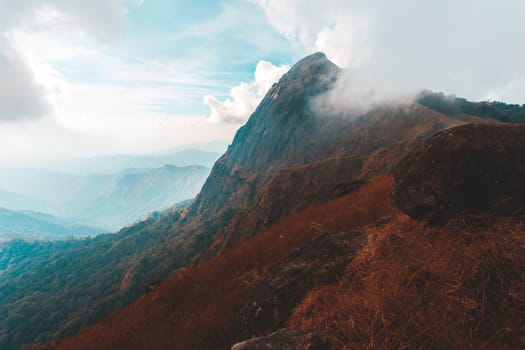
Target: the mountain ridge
(110, 164)
(110, 201)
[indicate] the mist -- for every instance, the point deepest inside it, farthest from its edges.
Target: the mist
(354, 93)
(468, 48)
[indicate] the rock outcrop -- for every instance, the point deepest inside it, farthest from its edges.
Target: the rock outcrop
(286, 339)
(474, 167)
(320, 262)
(271, 139)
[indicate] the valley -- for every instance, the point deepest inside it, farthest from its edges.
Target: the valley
(111, 195)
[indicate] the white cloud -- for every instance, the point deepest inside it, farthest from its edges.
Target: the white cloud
(99, 102)
(31, 88)
(353, 94)
(103, 19)
(135, 95)
(21, 97)
(244, 97)
(126, 109)
(29, 142)
(470, 48)
(336, 27)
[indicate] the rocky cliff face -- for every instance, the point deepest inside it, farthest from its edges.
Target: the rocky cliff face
(278, 134)
(289, 155)
(285, 132)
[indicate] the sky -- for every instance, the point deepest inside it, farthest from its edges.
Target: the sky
(82, 78)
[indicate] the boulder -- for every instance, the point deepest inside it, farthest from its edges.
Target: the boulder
(470, 168)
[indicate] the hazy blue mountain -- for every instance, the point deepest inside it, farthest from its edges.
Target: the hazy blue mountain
(103, 200)
(217, 146)
(18, 201)
(35, 225)
(116, 163)
(42, 185)
(128, 196)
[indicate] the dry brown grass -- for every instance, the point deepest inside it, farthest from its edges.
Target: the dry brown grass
(454, 287)
(199, 308)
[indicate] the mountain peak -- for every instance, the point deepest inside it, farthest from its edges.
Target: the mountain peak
(315, 59)
(311, 68)
(282, 132)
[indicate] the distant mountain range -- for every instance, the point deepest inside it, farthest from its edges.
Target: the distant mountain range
(109, 191)
(109, 201)
(117, 163)
(216, 146)
(19, 201)
(33, 225)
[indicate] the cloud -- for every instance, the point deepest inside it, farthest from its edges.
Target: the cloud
(28, 143)
(21, 97)
(244, 97)
(470, 48)
(353, 95)
(103, 19)
(31, 88)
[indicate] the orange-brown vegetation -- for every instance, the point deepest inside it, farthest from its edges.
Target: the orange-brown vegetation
(199, 307)
(460, 286)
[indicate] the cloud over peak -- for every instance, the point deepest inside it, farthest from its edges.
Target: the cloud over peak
(466, 47)
(245, 97)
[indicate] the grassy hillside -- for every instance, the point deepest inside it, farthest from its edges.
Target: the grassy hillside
(460, 286)
(199, 307)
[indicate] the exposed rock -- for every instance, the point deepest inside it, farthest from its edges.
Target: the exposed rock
(285, 134)
(474, 167)
(286, 339)
(347, 151)
(321, 262)
(271, 138)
